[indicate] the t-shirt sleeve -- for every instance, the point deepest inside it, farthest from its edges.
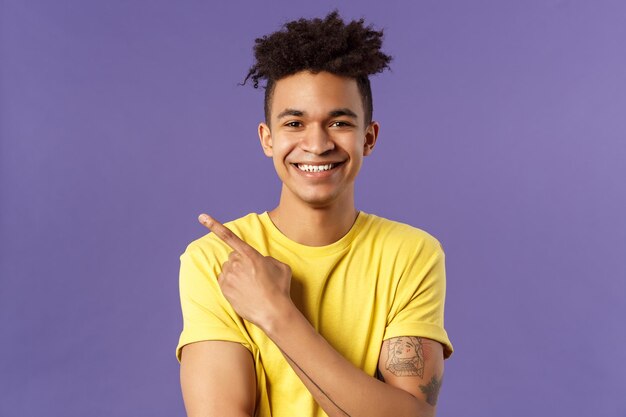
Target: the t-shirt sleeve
(207, 315)
(418, 308)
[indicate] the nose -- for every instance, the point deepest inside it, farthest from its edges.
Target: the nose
(316, 140)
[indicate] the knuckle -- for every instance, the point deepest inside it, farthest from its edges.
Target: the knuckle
(227, 235)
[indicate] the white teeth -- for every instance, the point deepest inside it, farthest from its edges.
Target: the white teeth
(314, 168)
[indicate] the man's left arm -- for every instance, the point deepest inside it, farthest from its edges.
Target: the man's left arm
(414, 364)
(258, 289)
(342, 389)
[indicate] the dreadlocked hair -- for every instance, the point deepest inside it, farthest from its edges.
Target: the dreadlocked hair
(349, 50)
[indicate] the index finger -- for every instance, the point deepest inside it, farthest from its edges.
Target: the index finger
(227, 236)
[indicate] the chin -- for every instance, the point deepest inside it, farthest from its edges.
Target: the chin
(317, 201)
(317, 197)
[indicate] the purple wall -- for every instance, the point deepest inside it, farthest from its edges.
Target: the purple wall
(503, 134)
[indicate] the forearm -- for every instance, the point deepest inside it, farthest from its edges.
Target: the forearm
(339, 387)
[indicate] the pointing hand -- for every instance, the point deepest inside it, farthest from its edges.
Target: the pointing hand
(256, 286)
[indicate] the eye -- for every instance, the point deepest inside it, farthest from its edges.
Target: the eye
(293, 124)
(340, 123)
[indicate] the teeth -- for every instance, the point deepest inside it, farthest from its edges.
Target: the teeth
(315, 168)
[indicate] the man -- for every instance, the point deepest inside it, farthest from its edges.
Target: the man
(314, 308)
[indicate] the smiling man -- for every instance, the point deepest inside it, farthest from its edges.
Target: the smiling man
(314, 308)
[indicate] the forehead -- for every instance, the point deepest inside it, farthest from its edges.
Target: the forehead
(316, 94)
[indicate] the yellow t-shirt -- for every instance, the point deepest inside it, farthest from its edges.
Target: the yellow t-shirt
(383, 279)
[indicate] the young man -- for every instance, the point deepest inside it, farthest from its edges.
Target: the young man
(314, 308)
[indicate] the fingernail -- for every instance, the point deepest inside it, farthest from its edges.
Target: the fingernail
(203, 218)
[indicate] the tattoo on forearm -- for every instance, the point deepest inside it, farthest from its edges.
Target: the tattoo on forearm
(406, 356)
(432, 390)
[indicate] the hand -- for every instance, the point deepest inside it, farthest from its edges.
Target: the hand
(256, 286)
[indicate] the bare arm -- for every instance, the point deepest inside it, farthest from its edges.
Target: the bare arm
(217, 379)
(414, 364)
(342, 389)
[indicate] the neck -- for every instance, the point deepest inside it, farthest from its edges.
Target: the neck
(314, 226)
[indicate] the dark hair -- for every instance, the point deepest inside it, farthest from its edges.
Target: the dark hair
(349, 50)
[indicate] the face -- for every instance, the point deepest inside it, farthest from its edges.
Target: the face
(405, 348)
(318, 137)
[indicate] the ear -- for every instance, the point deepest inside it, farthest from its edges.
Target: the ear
(371, 133)
(265, 136)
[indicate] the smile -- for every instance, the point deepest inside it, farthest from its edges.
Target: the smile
(317, 168)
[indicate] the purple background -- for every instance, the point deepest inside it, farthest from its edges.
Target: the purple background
(503, 134)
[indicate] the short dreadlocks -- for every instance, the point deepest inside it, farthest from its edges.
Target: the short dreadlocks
(349, 50)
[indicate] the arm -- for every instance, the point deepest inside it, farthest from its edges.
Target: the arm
(414, 364)
(342, 389)
(217, 379)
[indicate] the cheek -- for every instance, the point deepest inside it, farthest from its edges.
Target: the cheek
(279, 165)
(281, 150)
(354, 146)
(279, 156)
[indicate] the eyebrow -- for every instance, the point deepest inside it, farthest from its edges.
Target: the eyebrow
(333, 113)
(343, 112)
(290, 112)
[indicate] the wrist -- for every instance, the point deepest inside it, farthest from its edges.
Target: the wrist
(284, 312)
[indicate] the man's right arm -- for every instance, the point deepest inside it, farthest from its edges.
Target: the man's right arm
(217, 379)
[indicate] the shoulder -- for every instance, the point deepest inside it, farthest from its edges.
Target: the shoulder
(401, 236)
